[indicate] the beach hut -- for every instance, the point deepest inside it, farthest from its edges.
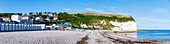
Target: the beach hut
(61, 26)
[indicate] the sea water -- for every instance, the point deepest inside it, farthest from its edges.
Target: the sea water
(156, 35)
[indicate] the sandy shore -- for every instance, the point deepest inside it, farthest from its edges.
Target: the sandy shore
(70, 37)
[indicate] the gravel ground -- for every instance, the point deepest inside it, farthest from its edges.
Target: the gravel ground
(108, 37)
(41, 37)
(70, 37)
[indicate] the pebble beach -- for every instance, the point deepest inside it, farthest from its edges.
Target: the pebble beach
(71, 37)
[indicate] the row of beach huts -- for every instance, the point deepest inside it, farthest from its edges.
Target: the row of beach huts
(23, 23)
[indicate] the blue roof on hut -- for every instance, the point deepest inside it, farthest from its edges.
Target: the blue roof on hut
(63, 25)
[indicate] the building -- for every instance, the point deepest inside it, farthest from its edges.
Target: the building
(25, 19)
(50, 14)
(6, 19)
(84, 26)
(69, 25)
(39, 18)
(55, 17)
(1, 20)
(16, 18)
(48, 19)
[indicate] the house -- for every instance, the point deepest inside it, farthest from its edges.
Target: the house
(1, 20)
(48, 19)
(50, 14)
(69, 25)
(39, 18)
(16, 18)
(96, 26)
(6, 19)
(84, 25)
(55, 17)
(25, 19)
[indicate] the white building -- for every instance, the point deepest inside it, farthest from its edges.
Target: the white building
(55, 17)
(50, 14)
(25, 19)
(96, 26)
(16, 18)
(84, 25)
(39, 18)
(6, 18)
(48, 19)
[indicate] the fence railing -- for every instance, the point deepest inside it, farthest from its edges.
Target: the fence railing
(21, 27)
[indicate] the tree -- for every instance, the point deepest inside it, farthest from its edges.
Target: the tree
(45, 12)
(36, 13)
(60, 15)
(19, 13)
(55, 12)
(49, 12)
(51, 17)
(40, 13)
(30, 13)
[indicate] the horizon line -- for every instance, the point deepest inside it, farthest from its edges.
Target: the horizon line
(153, 28)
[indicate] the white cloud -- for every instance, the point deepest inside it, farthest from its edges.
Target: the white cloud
(152, 19)
(152, 23)
(66, 9)
(114, 10)
(82, 3)
(110, 10)
(90, 9)
(160, 11)
(95, 10)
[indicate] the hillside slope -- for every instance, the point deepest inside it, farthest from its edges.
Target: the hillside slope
(99, 21)
(107, 15)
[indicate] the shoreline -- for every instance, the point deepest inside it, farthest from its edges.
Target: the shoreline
(117, 39)
(131, 31)
(128, 39)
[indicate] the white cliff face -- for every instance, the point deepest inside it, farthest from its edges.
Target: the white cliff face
(120, 26)
(124, 26)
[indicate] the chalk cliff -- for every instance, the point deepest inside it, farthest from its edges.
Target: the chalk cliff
(124, 26)
(113, 22)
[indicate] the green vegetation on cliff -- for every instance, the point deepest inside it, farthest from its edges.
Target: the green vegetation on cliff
(79, 18)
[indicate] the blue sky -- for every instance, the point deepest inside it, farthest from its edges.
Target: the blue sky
(147, 13)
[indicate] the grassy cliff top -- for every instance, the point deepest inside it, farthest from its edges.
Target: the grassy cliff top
(107, 15)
